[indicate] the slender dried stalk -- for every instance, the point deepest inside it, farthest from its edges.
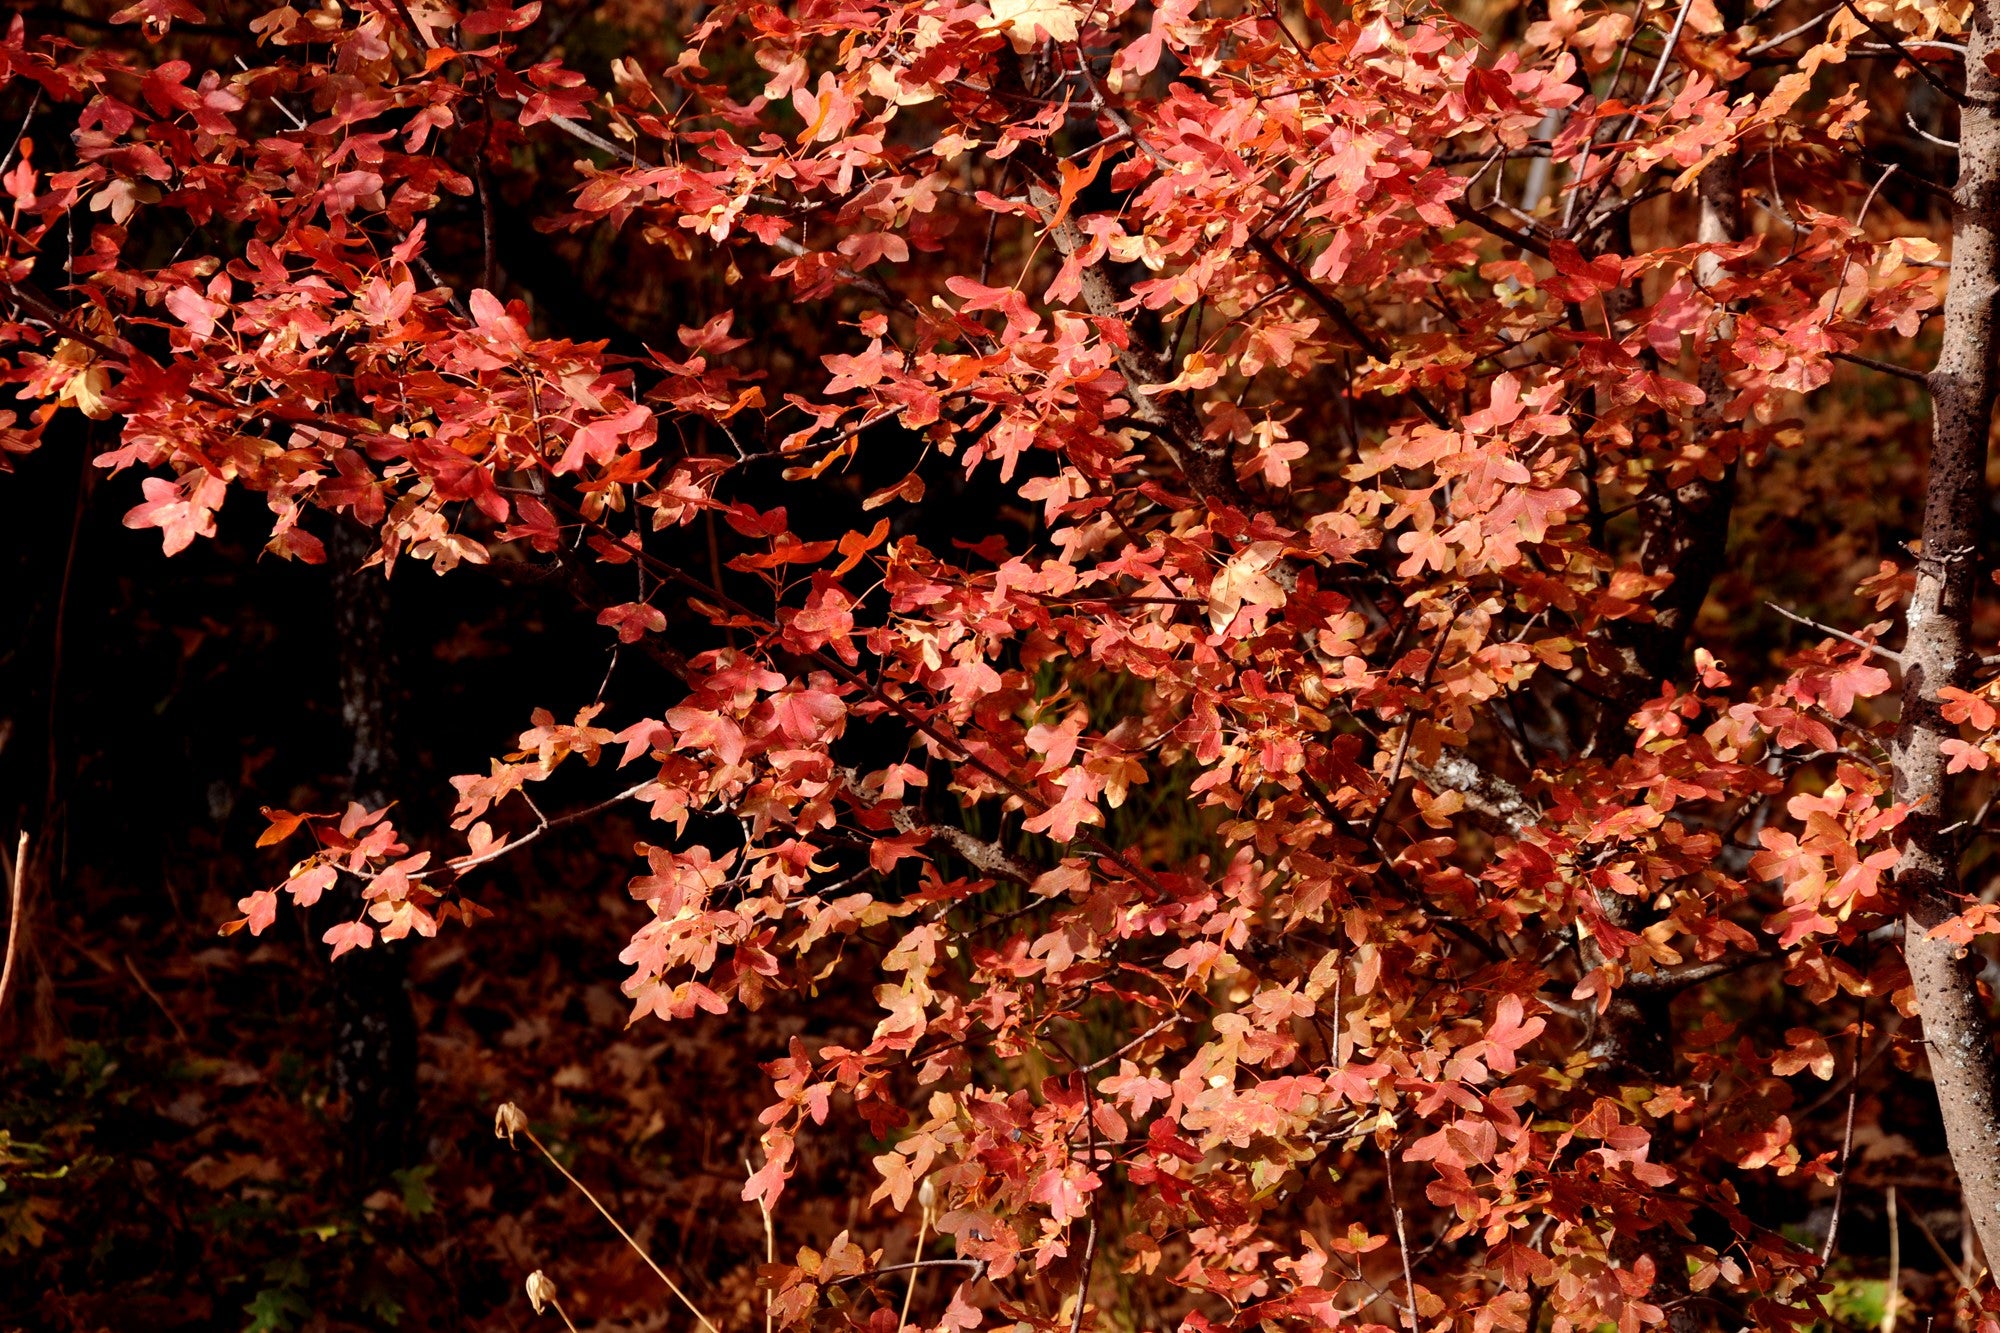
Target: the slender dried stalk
(923, 1231)
(1895, 1292)
(14, 918)
(638, 1249)
(771, 1250)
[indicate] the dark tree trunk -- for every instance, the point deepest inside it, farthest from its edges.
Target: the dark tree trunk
(375, 1048)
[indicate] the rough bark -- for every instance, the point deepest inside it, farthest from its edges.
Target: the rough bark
(375, 1040)
(1936, 654)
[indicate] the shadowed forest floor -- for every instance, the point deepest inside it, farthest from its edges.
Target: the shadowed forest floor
(173, 1152)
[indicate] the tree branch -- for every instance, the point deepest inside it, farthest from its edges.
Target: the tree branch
(988, 858)
(1500, 801)
(1885, 654)
(1886, 367)
(1673, 980)
(1534, 245)
(1891, 39)
(1334, 310)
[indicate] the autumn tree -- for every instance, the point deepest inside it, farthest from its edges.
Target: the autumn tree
(1214, 562)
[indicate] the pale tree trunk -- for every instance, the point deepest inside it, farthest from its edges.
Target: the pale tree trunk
(1937, 653)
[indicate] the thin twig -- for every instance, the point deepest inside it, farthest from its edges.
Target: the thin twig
(1847, 263)
(978, 1264)
(1133, 1044)
(1926, 135)
(1673, 980)
(1951, 1265)
(1846, 1152)
(584, 135)
(1784, 37)
(1329, 305)
(22, 133)
(1465, 212)
(770, 1249)
(1886, 654)
(1402, 1237)
(154, 996)
(1409, 730)
(1882, 1044)
(1582, 217)
(1090, 1230)
(464, 865)
(1666, 54)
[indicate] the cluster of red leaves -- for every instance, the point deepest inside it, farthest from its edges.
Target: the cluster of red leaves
(1419, 908)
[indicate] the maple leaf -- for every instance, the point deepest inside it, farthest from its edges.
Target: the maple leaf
(1077, 806)
(1962, 706)
(1807, 1051)
(400, 917)
(767, 1182)
(1244, 580)
(158, 15)
(260, 909)
(806, 714)
(633, 620)
(961, 1314)
(307, 884)
(349, 935)
(1007, 300)
(1963, 756)
(283, 823)
(1509, 1032)
(1031, 20)
(188, 305)
(498, 18)
(182, 510)
(1835, 688)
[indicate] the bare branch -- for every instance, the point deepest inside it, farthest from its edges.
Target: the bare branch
(988, 858)
(1885, 654)
(1846, 1153)
(1886, 367)
(1787, 36)
(1672, 980)
(1534, 245)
